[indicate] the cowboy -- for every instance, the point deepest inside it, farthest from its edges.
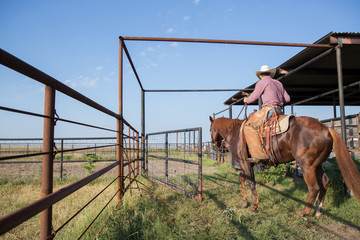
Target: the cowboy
(273, 96)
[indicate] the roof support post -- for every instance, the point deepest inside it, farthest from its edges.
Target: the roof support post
(341, 89)
(334, 105)
(260, 103)
(230, 111)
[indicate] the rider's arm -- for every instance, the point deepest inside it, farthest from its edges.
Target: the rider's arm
(286, 97)
(259, 89)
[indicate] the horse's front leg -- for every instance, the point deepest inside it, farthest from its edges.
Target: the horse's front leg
(252, 184)
(243, 190)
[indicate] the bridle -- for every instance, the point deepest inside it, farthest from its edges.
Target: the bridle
(232, 125)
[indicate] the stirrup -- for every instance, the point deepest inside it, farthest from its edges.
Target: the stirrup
(257, 161)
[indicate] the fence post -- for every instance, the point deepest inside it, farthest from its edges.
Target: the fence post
(120, 159)
(47, 160)
(129, 155)
(189, 142)
(120, 126)
(358, 129)
(143, 130)
(200, 162)
(134, 153)
(194, 146)
(61, 159)
(177, 141)
(137, 154)
(166, 159)
(184, 144)
(146, 155)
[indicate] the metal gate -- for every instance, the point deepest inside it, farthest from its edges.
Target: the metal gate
(174, 158)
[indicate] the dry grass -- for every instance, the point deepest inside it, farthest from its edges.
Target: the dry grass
(16, 194)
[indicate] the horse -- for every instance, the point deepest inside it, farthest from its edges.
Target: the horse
(307, 141)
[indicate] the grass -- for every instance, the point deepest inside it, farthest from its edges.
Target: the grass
(219, 216)
(19, 193)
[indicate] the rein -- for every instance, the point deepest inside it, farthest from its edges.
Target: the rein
(233, 124)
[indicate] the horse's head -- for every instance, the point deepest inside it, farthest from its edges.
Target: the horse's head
(216, 137)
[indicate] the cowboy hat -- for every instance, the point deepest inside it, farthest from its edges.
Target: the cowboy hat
(264, 69)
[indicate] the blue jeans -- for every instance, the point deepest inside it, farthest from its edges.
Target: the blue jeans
(271, 111)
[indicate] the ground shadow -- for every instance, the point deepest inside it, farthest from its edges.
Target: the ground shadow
(300, 185)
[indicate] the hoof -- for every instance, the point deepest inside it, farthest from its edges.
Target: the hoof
(254, 210)
(245, 204)
(318, 214)
(301, 214)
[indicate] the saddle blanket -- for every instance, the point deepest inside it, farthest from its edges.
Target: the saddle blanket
(278, 127)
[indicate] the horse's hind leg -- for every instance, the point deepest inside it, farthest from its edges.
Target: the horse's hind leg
(243, 190)
(324, 183)
(313, 187)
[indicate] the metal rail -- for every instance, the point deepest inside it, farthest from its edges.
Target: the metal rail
(22, 67)
(193, 40)
(53, 118)
(14, 219)
(48, 198)
(160, 148)
(195, 90)
(327, 93)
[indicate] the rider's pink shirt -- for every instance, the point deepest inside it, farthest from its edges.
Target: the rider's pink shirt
(272, 92)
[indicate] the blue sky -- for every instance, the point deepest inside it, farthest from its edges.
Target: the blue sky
(77, 43)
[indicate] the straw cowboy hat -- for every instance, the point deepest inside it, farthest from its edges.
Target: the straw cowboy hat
(264, 69)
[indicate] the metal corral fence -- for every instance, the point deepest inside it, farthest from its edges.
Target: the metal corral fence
(127, 152)
(218, 155)
(174, 158)
(72, 163)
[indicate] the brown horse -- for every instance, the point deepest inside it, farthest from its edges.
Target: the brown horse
(307, 141)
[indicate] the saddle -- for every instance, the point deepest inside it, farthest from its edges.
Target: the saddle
(275, 125)
(269, 129)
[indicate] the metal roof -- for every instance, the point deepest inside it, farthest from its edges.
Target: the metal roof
(314, 80)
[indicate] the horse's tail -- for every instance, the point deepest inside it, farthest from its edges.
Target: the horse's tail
(346, 164)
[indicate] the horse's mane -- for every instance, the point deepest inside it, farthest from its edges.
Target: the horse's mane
(227, 124)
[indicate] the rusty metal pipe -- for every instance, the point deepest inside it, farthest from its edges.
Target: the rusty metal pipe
(327, 52)
(53, 152)
(137, 154)
(16, 218)
(196, 90)
(22, 67)
(132, 64)
(54, 118)
(47, 162)
(226, 42)
(120, 127)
